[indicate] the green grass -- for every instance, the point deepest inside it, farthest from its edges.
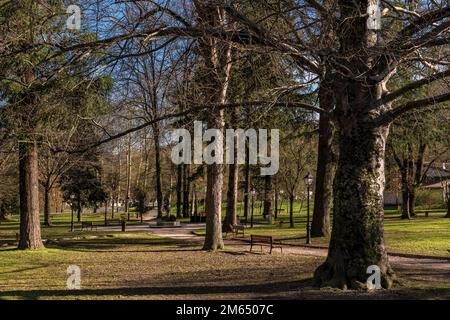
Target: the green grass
(135, 265)
(428, 236)
(425, 236)
(60, 226)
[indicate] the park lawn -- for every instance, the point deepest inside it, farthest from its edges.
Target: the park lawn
(423, 236)
(428, 236)
(136, 265)
(140, 266)
(60, 226)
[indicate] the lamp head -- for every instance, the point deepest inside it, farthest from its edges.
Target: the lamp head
(308, 179)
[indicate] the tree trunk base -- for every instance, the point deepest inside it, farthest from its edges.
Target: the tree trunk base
(351, 276)
(320, 233)
(213, 247)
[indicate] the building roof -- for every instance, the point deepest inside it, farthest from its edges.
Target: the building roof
(434, 172)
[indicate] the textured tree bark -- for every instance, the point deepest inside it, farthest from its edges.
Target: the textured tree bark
(357, 239)
(233, 179)
(405, 193)
(217, 57)
(320, 226)
(47, 217)
(213, 201)
(30, 228)
(412, 201)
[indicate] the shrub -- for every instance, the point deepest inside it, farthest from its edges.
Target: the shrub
(429, 199)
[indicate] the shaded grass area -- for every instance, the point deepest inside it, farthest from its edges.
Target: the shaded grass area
(149, 267)
(136, 265)
(140, 266)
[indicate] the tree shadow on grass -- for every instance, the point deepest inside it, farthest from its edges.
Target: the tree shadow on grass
(260, 288)
(109, 244)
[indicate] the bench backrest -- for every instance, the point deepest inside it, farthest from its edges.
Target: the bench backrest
(263, 239)
(86, 223)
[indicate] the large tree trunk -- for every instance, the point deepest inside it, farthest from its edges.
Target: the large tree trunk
(213, 206)
(47, 217)
(320, 226)
(405, 194)
(30, 228)
(233, 178)
(412, 201)
(357, 239)
(217, 59)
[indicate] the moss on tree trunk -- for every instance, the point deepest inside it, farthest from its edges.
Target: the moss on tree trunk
(357, 239)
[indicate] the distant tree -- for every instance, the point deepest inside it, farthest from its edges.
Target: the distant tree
(82, 181)
(415, 146)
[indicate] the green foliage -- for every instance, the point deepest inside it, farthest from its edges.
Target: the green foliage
(82, 182)
(429, 199)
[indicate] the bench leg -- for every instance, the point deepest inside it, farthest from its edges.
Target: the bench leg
(270, 250)
(251, 246)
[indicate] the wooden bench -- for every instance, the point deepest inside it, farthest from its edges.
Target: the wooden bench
(264, 240)
(88, 225)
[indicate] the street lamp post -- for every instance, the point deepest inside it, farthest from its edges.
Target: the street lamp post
(308, 181)
(253, 192)
(72, 198)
